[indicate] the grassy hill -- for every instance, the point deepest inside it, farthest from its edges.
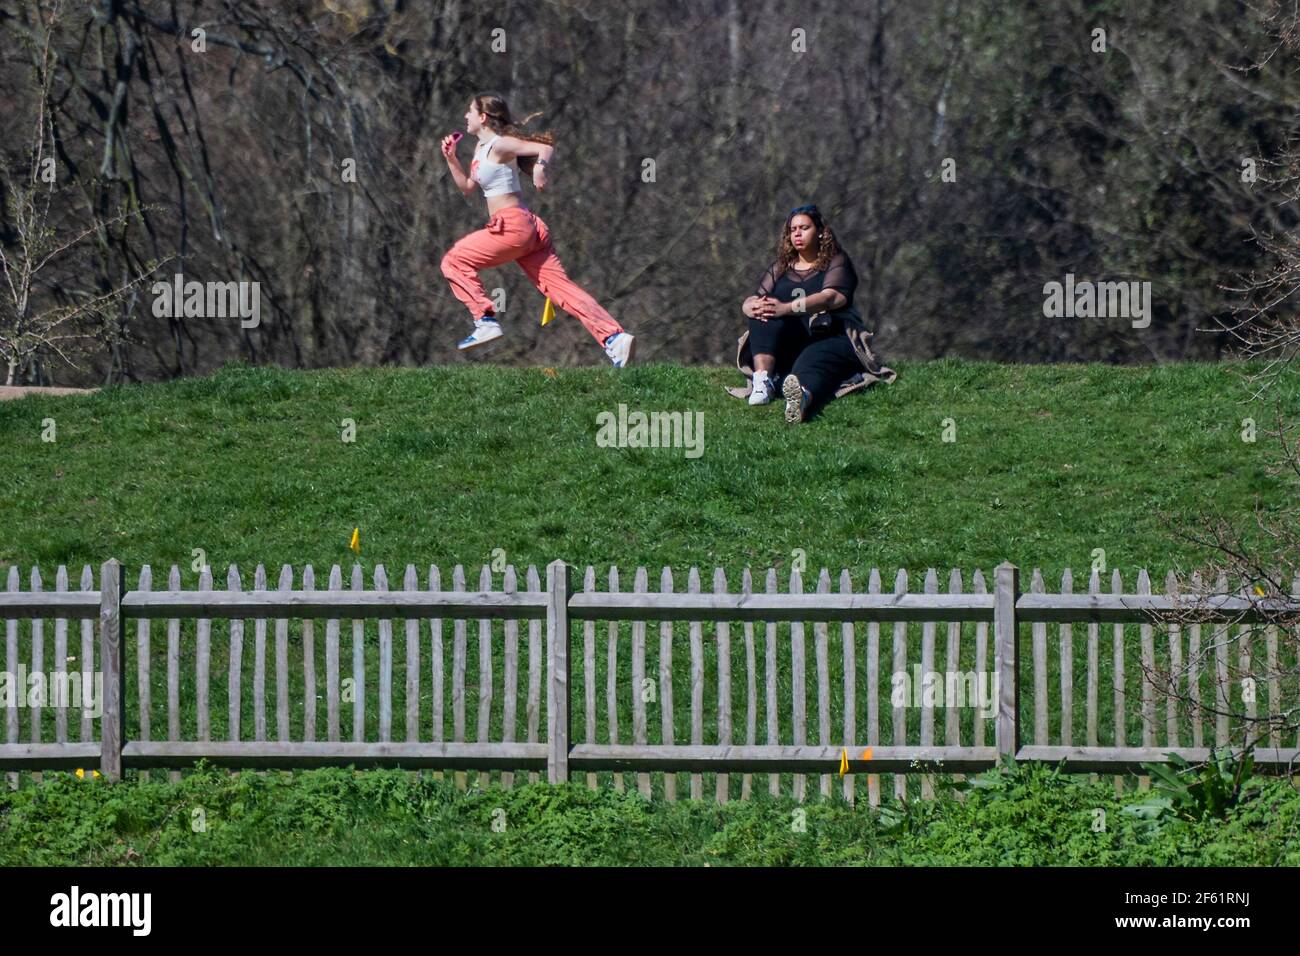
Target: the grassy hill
(449, 464)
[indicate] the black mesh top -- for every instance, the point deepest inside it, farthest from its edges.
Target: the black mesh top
(838, 274)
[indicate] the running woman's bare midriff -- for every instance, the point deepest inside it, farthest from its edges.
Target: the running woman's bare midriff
(496, 203)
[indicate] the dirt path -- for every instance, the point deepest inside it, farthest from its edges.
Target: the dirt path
(8, 392)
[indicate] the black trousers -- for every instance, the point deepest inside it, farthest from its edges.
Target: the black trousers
(821, 360)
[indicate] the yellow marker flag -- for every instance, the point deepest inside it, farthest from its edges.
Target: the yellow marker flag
(844, 761)
(355, 543)
(548, 311)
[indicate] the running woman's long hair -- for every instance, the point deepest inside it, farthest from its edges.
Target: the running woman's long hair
(827, 247)
(499, 121)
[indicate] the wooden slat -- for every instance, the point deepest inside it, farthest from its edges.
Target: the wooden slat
(1094, 587)
(358, 664)
(1251, 702)
(301, 755)
(233, 682)
(36, 704)
(203, 666)
(1130, 759)
(640, 585)
(588, 671)
(436, 661)
(611, 678)
(980, 586)
(332, 665)
(821, 651)
(800, 760)
(1117, 677)
(11, 665)
(559, 718)
(1222, 688)
(847, 642)
(773, 711)
(927, 674)
(667, 732)
(1067, 668)
(1006, 660)
(1148, 649)
(482, 731)
(798, 687)
(534, 582)
(1275, 704)
(952, 714)
(411, 660)
(809, 607)
(1175, 668)
(58, 688)
(1039, 631)
(900, 667)
(385, 662)
(359, 605)
(112, 636)
(174, 671)
(16, 757)
(143, 659)
(458, 652)
(436, 671)
(751, 687)
(72, 605)
(259, 662)
(873, 689)
(282, 661)
(1194, 672)
(1117, 673)
(722, 782)
(697, 683)
(87, 658)
(510, 677)
(309, 663)
(1295, 633)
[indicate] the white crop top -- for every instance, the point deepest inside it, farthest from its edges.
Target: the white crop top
(497, 179)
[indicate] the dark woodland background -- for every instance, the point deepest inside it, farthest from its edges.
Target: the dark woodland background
(1125, 164)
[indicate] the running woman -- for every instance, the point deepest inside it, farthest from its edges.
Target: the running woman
(513, 232)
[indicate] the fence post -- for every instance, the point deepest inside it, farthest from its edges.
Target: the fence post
(111, 649)
(559, 726)
(1006, 658)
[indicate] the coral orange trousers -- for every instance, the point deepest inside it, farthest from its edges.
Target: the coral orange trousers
(516, 234)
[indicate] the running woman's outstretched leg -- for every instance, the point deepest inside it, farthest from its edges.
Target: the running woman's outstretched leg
(545, 271)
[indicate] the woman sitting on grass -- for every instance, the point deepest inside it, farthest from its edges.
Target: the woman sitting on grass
(803, 328)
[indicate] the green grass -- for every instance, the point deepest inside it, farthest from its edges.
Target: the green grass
(450, 464)
(459, 465)
(338, 817)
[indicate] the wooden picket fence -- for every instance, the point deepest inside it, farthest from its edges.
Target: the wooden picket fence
(561, 649)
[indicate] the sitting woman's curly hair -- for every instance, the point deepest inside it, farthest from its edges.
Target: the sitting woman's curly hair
(827, 247)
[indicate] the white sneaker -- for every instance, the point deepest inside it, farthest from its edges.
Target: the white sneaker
(764, 389)
(485, 330)
(797, 399)
(621, 347)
